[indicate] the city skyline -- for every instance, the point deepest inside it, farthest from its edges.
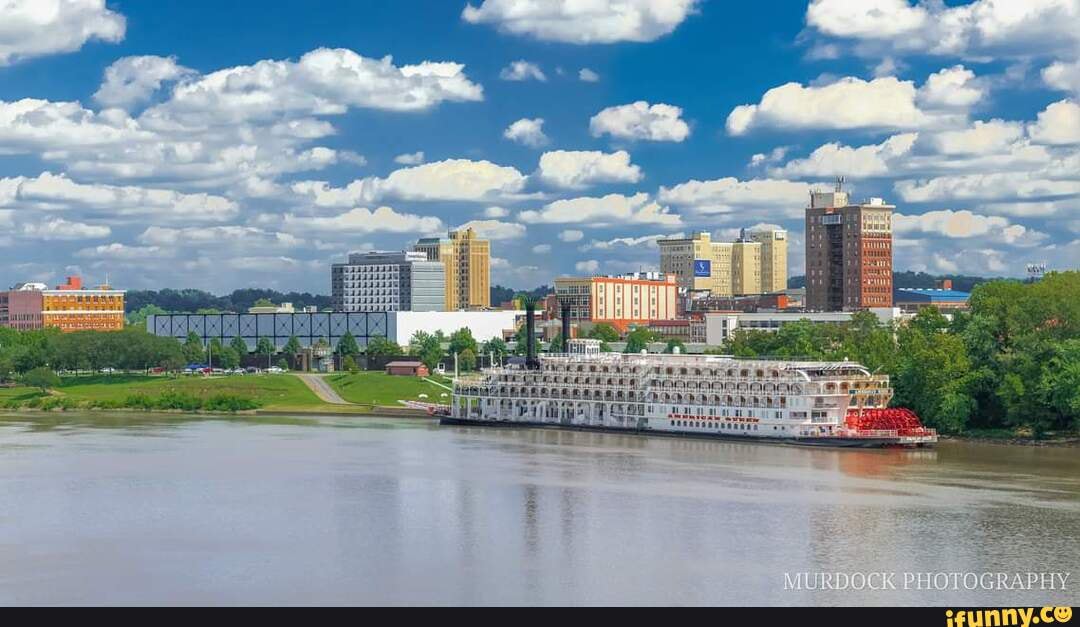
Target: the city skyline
(278, 140)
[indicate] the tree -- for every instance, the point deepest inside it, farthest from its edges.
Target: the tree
(604, 332)
(347, 345)
(239, 345)
(140, 315)
(264, 302)
(228, 358)
(379, 346)
(264, 347)
(41, 378)
(427, 348)
(639, 339)
(292, 347)
(284, 365)
(462, 340)
(466, 360)
(495, 347)
(349, 364)
(673, 344)
(193, 349)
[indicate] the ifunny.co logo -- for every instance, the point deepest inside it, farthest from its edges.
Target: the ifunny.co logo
(1010, 617)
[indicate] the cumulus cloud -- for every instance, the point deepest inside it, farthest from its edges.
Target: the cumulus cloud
(56, 192)
(361, 220)
(835, 159)
(589, 266)
(496, 212)
(610, 209)
(541, 249)
(729, 194)
(527, 132)
(649, 241)
(1063, 76)
(34, 28)
(954, 87)
(990, 187)
(578, 169)
(133, 80)
(965, 224)
(593, 22)
(230, 235)
(495, 230)
(848, 103)
(411, 158)
(452, 179)
(522, 71)
(571, 235)
(1058, 124)
(121, 252)
(60, 229)
(641, 121)
(588, 76)
(975, 29)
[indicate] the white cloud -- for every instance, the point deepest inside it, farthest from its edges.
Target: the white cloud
(1063, 76)
(578, 169)
(571, 235)
(588, 76)
(775, 155)
(132, 80)
(411, 158)
(610, 209)
(992, 187)
(496, 212)
(121, 252)
(1058, 124)
(648, 241)
(522, 71)
(954, 87)
(592, 22)
(55, 192)
(541, 249)
(495, 230)
(589, 266)
(60, 229)
(230, 235)
(848, 103)
(991, 137)
(527, 132)
(34, 28)
(360, 220)
(976, 29)
(965, 225)
(452, 179)
(730, 194)
(641, 121)
(834, 159)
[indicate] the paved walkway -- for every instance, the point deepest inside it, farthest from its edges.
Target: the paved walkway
(322, 389)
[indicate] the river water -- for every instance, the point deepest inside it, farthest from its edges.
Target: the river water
(153, 509)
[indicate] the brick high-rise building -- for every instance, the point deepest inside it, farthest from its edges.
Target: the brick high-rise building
(619, 300)
(467, 260)
(848, 253)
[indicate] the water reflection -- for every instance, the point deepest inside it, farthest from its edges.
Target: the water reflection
(282, 511)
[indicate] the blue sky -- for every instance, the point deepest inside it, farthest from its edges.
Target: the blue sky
(226, 145)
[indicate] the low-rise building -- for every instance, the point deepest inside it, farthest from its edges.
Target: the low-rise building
(719, 326)
(388, 281)
(620, 301)
(910, 299)
(68, 307)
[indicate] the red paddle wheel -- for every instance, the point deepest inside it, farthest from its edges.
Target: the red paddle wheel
(903, 421)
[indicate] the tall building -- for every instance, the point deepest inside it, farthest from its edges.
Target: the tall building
(774, 250)
(467, 263)
(619, 300)
(388, 281)
(848, 253)
(69, 307)
(698, 263)
(746, 267)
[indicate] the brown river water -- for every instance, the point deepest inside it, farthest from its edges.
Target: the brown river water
(167, 510)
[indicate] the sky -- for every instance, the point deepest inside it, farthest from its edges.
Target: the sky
(223, 145)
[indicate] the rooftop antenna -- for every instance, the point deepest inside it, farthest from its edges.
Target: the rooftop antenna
(840, 183)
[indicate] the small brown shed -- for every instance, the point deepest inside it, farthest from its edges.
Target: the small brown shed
(407, 369)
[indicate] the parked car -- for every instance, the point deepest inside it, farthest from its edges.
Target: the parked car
(251, 370)
(275, 370)
(108, 370)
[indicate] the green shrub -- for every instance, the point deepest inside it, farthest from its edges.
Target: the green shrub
(178, 400)
(138, 401)
(229, 403)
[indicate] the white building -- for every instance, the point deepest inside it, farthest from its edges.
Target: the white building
(485, 325)
(719, 326)
(388, 281)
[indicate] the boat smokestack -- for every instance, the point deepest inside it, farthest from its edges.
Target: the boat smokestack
(566, 328)
(531, 362)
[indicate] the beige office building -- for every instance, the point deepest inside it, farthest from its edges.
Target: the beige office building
(746, 267)
(467, 260)
(774, 251)
(698, 263)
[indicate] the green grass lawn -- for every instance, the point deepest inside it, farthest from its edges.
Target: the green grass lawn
(273, 391)
(18, 393)
(379, 388)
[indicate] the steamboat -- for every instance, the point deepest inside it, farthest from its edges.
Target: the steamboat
(838, 404)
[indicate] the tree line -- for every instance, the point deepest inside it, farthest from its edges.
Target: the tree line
(1011, 361)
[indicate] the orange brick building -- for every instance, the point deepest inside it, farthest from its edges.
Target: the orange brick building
(620, 300)
(69, 307)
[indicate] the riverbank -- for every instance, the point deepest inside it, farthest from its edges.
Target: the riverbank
(1055, 440)
(364, 394)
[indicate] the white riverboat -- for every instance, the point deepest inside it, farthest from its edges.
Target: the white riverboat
(811, 403)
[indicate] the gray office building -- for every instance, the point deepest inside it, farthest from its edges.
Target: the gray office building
(388, 281)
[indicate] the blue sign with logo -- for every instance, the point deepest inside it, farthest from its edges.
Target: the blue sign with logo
(702, 268)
